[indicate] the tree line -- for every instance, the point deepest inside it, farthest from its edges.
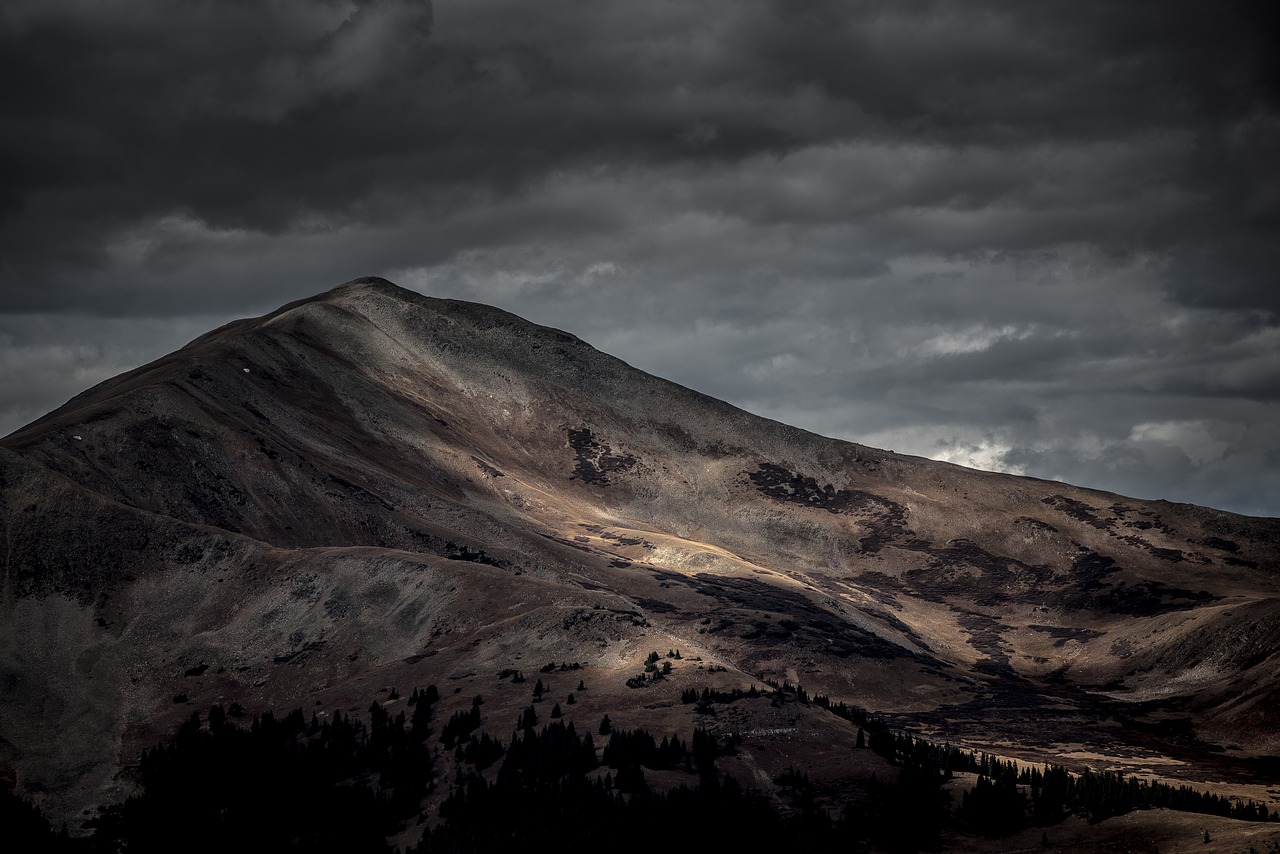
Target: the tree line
(338, 782)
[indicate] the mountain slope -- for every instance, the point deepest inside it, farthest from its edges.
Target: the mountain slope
(372, 488)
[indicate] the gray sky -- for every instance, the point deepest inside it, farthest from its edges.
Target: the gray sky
(1034, 237)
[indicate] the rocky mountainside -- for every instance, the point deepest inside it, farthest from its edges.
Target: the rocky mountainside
(373, 488)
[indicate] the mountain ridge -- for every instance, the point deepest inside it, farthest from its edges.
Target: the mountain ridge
(372, 486)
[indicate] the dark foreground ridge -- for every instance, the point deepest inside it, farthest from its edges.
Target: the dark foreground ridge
(342, 783)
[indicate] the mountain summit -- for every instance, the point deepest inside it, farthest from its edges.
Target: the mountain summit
(373, 488)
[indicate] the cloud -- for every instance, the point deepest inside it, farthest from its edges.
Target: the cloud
(1012, 234)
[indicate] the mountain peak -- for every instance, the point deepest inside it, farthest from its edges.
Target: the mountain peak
(372, 283)
(372, 486)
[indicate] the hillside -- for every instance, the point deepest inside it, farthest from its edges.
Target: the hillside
(373, 488)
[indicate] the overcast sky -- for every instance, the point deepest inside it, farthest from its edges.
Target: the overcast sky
(1041, 237)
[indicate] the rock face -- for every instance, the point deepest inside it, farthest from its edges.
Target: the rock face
(372, 488)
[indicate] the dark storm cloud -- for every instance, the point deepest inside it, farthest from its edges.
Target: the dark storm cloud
(1040, 237)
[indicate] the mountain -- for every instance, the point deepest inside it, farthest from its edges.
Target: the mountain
(373, 489)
